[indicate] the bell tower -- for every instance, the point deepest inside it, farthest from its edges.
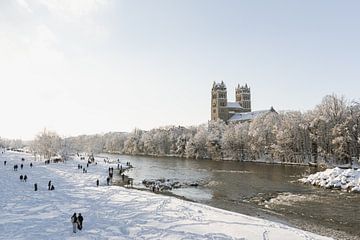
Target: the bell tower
(243, 97)
(219, 102)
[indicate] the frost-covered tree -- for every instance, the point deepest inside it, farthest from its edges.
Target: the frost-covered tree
(114, 142)
(235, 141)
(215, 132)
(329, 132)
(329, 114)
(262, 133)
(292, 138)
(353, 121)
(196, 147)
(47, 144)
(133, 143)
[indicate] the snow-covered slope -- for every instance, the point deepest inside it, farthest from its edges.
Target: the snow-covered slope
(112, 212)
(346, 179)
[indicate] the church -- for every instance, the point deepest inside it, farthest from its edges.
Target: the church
(237, 111)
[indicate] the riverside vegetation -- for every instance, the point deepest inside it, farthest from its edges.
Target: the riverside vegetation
(330, 133)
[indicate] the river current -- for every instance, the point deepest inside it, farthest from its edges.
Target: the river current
(267, 191)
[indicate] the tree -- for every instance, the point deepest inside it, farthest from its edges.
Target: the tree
(262, 133)
(215, 132)
(235, 141)
(196, 147)
(327, 116)
(292, 138)
(47, 144)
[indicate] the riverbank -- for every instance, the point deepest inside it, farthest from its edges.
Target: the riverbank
(264, 161)
(112, 212)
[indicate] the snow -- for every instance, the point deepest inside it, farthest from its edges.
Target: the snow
(112, 212)
(345, 179)
(247, 115)
(235, 105)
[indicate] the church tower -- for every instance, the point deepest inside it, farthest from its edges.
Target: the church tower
(219, 102)
(243, 97)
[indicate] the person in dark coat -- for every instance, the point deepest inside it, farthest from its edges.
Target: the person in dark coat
(49, 185)
(21, 178)
(74, 222)
(4, 163)
(21, 166)
(31, 165)
(35, 187)
(80, 221)
(25, 178)
(108, 181)
(97, 182)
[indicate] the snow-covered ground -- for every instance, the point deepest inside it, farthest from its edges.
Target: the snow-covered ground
(345, 179)
(112, 212)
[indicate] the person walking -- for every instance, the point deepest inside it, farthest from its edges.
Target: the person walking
(74, 222)
(97, 182)
(108, 181)
(80, 221)
(49, 185)
(35, 187)
(31, 165)
(25, 178)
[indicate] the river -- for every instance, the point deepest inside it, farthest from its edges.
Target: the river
(267, 191)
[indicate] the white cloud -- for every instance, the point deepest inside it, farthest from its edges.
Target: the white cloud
(24, 4)
(73, 8)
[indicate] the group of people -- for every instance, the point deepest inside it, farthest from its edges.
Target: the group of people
(76, 219)
(23, 178)
(77, 222)
(84, 170)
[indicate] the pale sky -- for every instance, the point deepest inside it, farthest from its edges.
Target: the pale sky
(94, 66)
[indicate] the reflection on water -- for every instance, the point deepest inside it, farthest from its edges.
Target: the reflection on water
(268, 191)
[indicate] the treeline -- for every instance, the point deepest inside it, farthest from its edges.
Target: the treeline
(330, 133)
(11, 143)
(48, 144)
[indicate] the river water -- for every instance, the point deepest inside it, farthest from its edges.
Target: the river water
(263, 190)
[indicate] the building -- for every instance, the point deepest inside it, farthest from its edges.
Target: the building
(240, 110)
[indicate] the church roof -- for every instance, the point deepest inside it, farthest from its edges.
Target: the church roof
(233, 105)
(249, 115)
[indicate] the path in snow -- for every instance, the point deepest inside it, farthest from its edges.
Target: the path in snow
(112, 212)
